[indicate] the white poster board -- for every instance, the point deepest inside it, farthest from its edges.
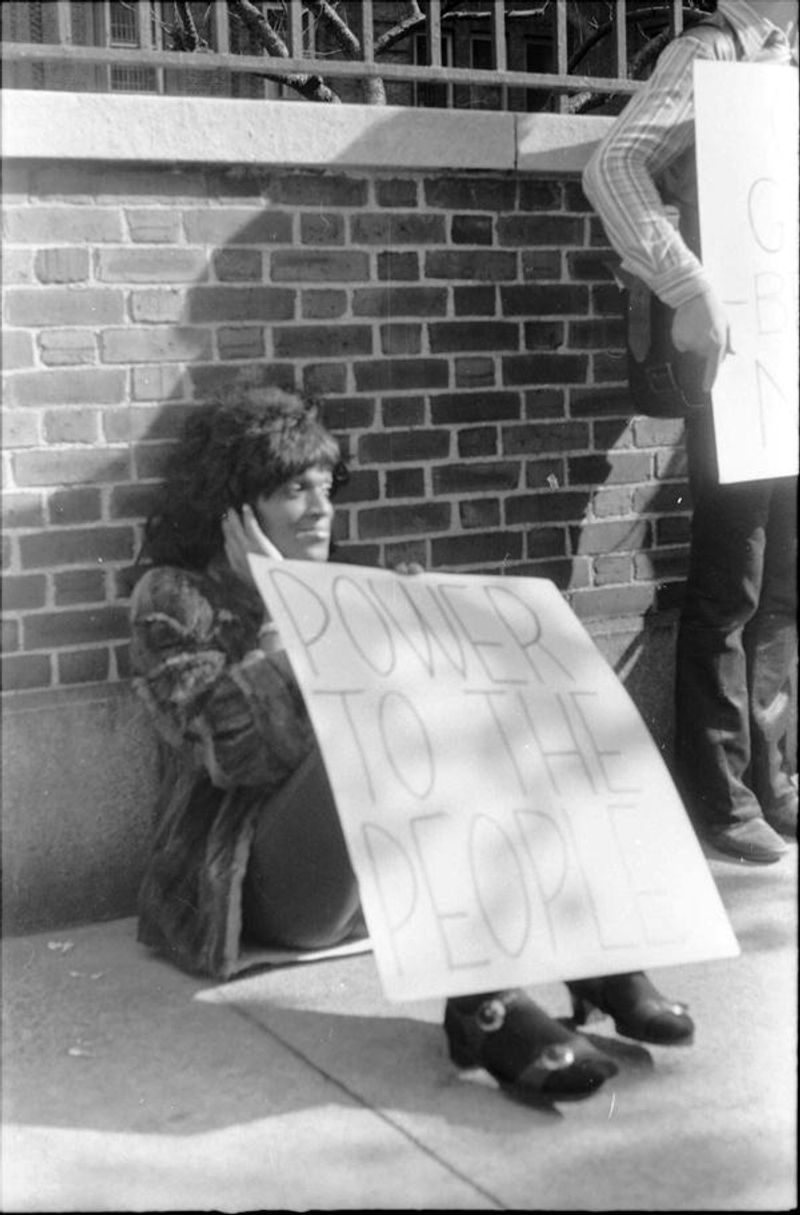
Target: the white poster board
(747, 168)
(507, 814)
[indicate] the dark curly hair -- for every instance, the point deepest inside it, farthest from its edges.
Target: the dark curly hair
(230, 454)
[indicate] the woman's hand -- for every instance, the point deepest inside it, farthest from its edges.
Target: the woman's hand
(408, 567)
(242, 535)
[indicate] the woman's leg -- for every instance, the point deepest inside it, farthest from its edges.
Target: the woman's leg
(300, 890)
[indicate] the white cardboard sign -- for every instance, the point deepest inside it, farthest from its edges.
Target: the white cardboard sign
(747, 168)
(507, 814)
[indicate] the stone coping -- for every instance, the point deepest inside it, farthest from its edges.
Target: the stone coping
(212, 130)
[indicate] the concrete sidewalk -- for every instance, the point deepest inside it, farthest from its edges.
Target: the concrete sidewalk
(130, 1086)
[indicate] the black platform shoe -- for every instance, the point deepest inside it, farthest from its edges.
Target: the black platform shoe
(526, 1051)
(638, 1009)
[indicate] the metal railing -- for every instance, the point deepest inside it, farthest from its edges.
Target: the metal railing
(359, 56)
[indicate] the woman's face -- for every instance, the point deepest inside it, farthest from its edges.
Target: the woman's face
(297, 516)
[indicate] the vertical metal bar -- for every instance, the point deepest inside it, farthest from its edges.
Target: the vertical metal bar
(367, 32)
(435, 33)
(621, 37)
(222, 33)
(148, 40)
(64, 22)
(499, 36)
(296, 29)
(676, 17)
(561, 47)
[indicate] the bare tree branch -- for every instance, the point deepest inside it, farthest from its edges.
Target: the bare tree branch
(313, 88)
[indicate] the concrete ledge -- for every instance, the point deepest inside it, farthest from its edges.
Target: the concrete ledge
(212, 130)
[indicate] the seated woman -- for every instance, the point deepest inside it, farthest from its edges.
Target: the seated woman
(247, 843)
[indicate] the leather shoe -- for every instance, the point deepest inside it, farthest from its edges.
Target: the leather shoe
(780, 811)
(753, 840)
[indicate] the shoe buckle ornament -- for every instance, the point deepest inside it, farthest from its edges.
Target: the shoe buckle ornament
(491, 1015)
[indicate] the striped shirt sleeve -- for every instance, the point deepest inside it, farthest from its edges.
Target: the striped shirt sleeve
(654, 129)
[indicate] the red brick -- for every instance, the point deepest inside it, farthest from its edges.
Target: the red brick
(659, 563)
(401, 339)
(71, 225)
(237, 226)
(133, 501)
(547, 542)
(545, 368)
(24, 591)
(241, 304)
(475, 301)
(9, 636)
(672, 463)
(83, 666)
(545, 403)
(489, 266)
(243, 342)
(38, 306)
(395, 374)
(550, 299)
(612, 432)
(470, 194)
(420, 519)
(480, 477)
(544, 335)
(21, 672)
(610, 367)
(622, 536)
(527, 230)
(150, 460)
(476, 548)
(17, 267)
(399, 445)
(157, 306)
(461, 407)
(540, 195)
(166, 383)
(356, 413)
(68, 347)
(22, 510)
(477, 441)
(153, 225)
(554, 506)
(209, 380)
(609, 571)
(113, 182)
(69, 265)
(138, 345)
(71, 426)
(320, 379)
(69, 467)
(142, 265)
(398, 267)
(76, 547)
(612, 601)
(574, 198)
(404, 483)
(613, 467)
(86, 386)
(397, 192)
(403, 411)
(475, 372)
(122, 658)
(615, 501)
(49, 630)
(238, 265)
(407, 551)
(305, 341)
(68, 506)
(590, 266)
(400, 301)
(541, 265)
(317, 190)
(74, 587)
(533, 439)
(665, 497)
(479, 513)
(319, 266)
(471, 230)
(607, 300)
(598, 332)
(673, 529)
(545, 474)
(321, 228)
(319, 304)
(657, 432)
(447, 337)
(17, 349)
(363, 486)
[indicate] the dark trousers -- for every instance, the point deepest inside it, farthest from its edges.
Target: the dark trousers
(737, 642)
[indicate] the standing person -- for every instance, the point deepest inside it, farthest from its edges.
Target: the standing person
(737, 636)
(247, 843)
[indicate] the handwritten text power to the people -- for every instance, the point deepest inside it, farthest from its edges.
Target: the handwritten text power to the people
(508, 816)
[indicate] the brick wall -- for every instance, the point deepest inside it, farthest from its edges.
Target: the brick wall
(462, 328)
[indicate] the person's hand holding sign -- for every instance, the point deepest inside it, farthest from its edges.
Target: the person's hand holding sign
(242, 535)
(701, 327)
